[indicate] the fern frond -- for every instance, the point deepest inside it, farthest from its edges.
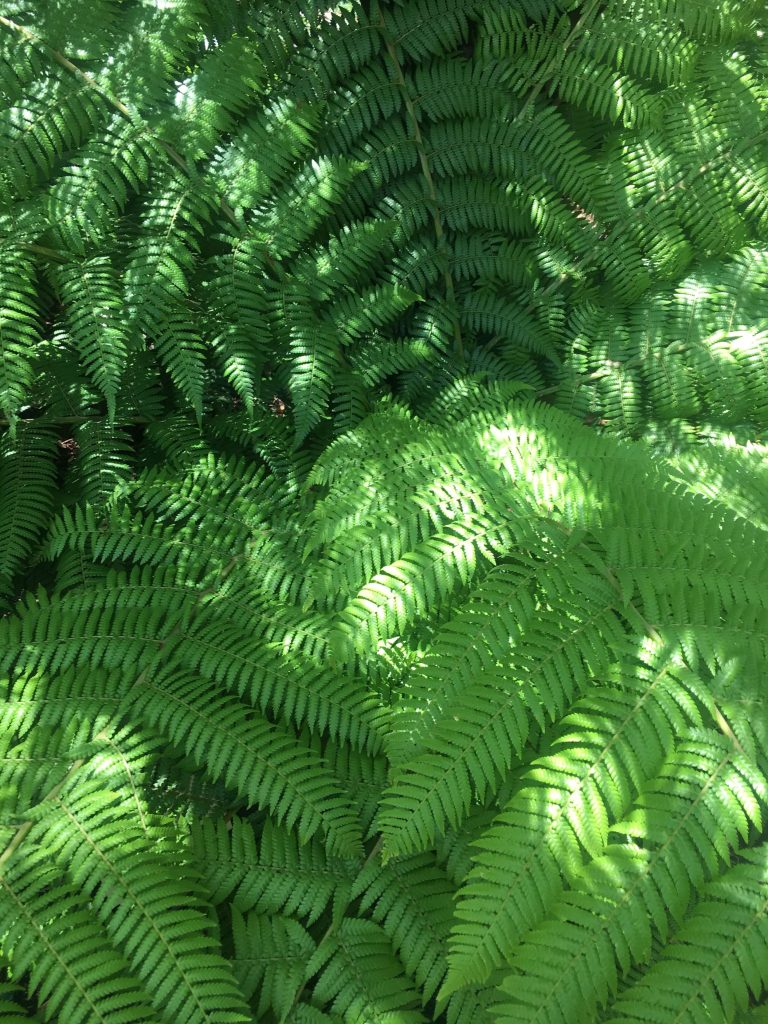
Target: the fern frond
(275, 874)
(157, 281)
(314, 355)
(716, 960)
(89, 831)
(347, 679)
(271, 955)
(28, 485)
(263, 762)
(208, 103)
(412, 900)
(539, 839)
(239, 322)
(71, 963)
(89, 291)
(692, 815)
(359, 977)
(296, 688)
(18, 329)
(474, 744)
(50, 123)
(12, 1011)
(91, 193)
(103, 461)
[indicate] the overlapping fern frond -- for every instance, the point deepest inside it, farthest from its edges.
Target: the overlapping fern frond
(343, 678)
(370, 176)
(582, 707)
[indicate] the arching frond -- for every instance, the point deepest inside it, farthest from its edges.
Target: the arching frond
(345, 676)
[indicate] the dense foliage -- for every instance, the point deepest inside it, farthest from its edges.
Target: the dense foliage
(382, 538)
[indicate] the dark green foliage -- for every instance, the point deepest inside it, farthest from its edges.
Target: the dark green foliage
(346, 675)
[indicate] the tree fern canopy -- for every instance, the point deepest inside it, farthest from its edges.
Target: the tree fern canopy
(384, 622)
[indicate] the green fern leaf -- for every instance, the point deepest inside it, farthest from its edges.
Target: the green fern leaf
(360, 978)
(18, 330)
(274, 874)
(263, 762)
(691, 821)
(28, 484)
(90, 293)
(270, 961)
(11, 1011)
(89, 830)
(716, 960)
(71, 963)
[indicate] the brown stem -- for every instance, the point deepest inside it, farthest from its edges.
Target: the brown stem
(428, 178)
(43, 250)
(72, 420)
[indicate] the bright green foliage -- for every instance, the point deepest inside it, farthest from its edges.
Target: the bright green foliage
(18, 328)
(412, 901)
(147, 910)
(73, 968)
(694, 351)
(572, 962)
(621, 774)
(90, 294)
(341, 196)
(347, 673)
(697, 972)
(274, 875)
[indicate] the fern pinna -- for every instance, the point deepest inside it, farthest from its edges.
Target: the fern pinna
(349, 674)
